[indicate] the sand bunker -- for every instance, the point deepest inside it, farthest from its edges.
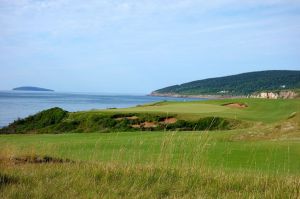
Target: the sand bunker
(129, 118)
(146, 124)
(171, 120)
(132, 118)
(136, 126)
(149, 125)
(236, 105)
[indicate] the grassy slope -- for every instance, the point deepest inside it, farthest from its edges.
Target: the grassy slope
(158, 164)
(258, 109)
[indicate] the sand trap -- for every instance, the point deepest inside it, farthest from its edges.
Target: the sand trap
(136, 126)
(149, 125)
(171, 120)
(145, 125)
(236, 105)
(129, 118)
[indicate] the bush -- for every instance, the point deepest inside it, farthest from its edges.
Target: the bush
(38, 121)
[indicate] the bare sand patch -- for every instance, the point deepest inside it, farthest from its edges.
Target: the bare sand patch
(129, 118)
(136, 126)
(171, 120)
(149, 125)
(236, 105)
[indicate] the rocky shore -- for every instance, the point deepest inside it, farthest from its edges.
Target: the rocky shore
(276, 95)
(287, 94)
(195, 96)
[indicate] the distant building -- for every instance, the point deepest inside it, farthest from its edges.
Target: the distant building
(223, 92)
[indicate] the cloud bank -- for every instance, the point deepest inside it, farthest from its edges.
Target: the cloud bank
(171, 41)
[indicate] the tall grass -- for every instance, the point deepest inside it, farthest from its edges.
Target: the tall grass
(82, 180)
(175, 168)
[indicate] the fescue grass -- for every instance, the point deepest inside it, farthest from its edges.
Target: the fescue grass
(81, 180)
(214, 149)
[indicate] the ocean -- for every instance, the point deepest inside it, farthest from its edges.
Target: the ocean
(17, 104)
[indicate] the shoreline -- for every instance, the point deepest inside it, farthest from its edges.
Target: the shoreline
(195, 96)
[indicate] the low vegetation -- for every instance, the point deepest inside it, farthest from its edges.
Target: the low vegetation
(123, 181)
(57, 120)
(38, 121)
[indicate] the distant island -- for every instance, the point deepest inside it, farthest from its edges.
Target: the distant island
(261, 84)
(31, 88)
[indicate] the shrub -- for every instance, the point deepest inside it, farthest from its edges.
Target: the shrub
(38, 121)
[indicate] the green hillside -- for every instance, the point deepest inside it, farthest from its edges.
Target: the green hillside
(241, 84)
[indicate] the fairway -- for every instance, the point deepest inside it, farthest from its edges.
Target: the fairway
(259, 110)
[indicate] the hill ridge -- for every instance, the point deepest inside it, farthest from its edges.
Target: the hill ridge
(238, 84)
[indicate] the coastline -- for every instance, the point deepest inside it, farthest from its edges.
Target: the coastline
(195, 96)
(21, 104)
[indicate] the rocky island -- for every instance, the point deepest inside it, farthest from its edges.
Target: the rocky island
(31, 88)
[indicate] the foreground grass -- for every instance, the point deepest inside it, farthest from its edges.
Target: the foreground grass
(214, 149)
(82, 180)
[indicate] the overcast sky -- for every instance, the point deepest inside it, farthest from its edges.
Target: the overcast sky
(136, 46)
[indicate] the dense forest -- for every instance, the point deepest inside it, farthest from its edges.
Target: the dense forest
(241, 84)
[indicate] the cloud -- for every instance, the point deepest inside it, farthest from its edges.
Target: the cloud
(95, 11)
(103, 36)
(37, 19)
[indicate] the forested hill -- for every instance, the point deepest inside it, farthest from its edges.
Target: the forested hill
(241, 84)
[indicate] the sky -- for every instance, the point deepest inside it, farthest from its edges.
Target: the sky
(137, 46)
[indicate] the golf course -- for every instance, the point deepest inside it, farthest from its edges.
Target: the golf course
(255, 155)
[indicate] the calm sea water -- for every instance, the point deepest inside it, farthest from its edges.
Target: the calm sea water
(16, 104)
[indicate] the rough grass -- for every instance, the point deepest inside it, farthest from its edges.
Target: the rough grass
(219, 149)
(83, 180)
